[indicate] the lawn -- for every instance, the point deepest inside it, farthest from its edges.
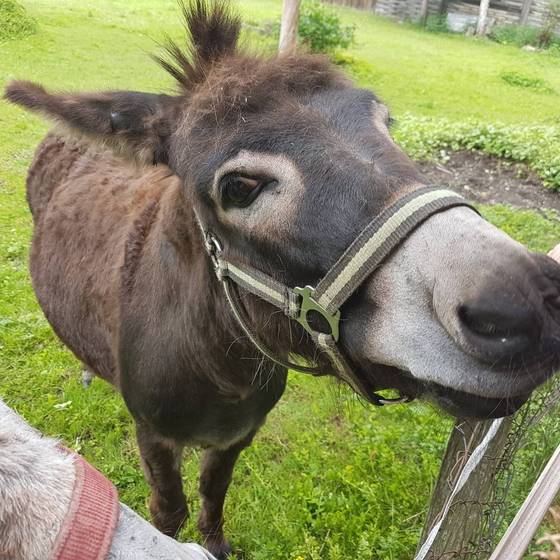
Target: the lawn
(327, 478)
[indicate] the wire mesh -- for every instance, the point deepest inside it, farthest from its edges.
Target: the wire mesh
(531, 440)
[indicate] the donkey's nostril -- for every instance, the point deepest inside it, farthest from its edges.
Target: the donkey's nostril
(498, 327)
(483, 323)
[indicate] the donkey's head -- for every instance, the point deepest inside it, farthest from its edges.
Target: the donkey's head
(286, 161)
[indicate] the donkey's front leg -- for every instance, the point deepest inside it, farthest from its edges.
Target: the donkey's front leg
(215, 477)
(161, 461)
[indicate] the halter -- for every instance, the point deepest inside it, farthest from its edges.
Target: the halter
(365, 254)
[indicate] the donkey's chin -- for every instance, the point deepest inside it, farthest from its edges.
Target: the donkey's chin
(455, 402)
(494, 393)
(460, 404)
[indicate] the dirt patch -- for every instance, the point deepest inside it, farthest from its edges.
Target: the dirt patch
(491, 180)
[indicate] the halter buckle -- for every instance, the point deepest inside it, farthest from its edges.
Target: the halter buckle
(308, 303)
(213, 248)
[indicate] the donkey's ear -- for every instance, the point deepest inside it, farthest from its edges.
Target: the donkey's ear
(135, 125)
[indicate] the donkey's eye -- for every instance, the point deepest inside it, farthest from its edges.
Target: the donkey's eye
(239, 191)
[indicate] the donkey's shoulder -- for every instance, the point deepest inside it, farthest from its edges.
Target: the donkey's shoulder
(62, 157)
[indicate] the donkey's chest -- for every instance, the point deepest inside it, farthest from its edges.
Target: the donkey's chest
(207, 419)
(221, 428)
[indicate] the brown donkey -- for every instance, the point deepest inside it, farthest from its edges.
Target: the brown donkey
(285, 161)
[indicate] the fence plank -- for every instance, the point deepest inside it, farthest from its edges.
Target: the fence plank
(463, 520)
(482, 18)
(289, 27)
(359, 4)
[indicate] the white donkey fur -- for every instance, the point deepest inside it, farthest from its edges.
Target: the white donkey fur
(36, 483)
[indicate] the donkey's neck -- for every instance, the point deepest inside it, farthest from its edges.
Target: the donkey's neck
(230, 360)
(235, 360)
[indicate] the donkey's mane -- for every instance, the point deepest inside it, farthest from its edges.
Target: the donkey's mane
(212, 32)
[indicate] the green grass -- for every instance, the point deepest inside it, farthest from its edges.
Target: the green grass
(327, 477)
(451, 75)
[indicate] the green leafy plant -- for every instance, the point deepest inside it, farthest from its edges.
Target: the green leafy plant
(321, 30)
(519, 35)
(14, 21)
(538, 146)
(522, 35)
(437, 23)
(554, 49)
(551, 21)
(519, 80)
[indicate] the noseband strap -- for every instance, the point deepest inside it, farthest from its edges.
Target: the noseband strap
(366, 253)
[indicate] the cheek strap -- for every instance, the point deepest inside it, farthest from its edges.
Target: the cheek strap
(366, 253)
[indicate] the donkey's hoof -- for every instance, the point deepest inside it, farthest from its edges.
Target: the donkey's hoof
(219, 547)
(169, 524)
(169, 520)
(87, 378)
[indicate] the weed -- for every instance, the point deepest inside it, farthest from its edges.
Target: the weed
(437, 23)
(522, 35)
(547, 34)
(519, 80)
(320, 28)
(518, 35)
(14, 21)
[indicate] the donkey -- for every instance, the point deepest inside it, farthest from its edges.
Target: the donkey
(53, 503)
(285, 162)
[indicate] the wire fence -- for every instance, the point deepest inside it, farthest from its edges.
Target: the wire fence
(481, 512)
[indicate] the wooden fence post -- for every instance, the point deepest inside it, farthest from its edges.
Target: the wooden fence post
(482, 18)
(525, 11)
(461, 527)
(463, 520)
(424, 5)
(289, 27)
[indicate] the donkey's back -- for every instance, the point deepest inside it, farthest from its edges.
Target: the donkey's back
(53, 163)
(88, 206)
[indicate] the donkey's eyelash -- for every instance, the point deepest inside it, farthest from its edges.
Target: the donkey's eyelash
(391, 122)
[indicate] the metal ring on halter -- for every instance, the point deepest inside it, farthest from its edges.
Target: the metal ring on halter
(213, 247)
(397, 400)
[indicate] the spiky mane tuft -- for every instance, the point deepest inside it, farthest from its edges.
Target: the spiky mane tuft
(212, 32)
